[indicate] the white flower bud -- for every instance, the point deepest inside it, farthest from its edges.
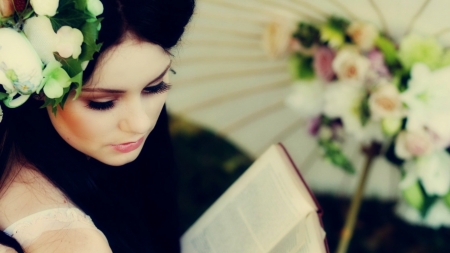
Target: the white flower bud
(45, 7)
(95, 7)
(69, 42)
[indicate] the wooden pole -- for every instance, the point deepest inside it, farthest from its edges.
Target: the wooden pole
(355, 205)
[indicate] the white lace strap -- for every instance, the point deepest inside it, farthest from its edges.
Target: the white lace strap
(28, 229)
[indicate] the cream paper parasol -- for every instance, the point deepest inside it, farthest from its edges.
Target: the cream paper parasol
(226, 82)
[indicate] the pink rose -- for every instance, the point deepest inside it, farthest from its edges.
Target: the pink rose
(6, 8)
(413, 143)
(377, 63)
(323, 59)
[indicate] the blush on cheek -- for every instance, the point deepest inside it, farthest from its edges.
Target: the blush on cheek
(70, 123)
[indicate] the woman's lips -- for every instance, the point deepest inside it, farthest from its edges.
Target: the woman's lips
(129, 146)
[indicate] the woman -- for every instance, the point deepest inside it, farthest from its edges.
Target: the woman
(97, 174)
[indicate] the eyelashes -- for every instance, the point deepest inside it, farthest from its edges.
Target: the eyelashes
(100, 106)
(160, 88)
(103, 106)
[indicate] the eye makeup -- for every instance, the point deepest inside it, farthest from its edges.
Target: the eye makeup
(106, 105)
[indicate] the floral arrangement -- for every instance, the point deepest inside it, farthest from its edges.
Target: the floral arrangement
(44, 47)
(354, 82)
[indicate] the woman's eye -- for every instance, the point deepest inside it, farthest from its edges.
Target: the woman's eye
(160, 88)
(100, 106)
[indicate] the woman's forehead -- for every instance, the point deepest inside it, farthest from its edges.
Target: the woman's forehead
(131, 62)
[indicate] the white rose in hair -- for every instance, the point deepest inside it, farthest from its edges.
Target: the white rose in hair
(349, 64)
(45, 7)
(40, 33)
(69, 42)
(20, 66)
(385, 102)
(95, 7)
(363, 34)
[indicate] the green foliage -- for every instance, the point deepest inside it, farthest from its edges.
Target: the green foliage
(81, 4)
(446, 199)
(307, 34)
(338, 24)
(72, 18)
(414, 196)
(388, 50)
(333, 153)
(70, 65)
(3, 96)
(77, 84)
(301, 67)
(365, 110)
(90, 32)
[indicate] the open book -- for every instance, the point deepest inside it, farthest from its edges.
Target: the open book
(268, 209)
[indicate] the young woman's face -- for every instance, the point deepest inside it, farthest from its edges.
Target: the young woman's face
(119, 106)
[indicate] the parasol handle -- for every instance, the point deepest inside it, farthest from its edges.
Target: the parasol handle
(355, 205)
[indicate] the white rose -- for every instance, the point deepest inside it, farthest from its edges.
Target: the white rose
(350, 65)
(437, 216)
(413, 143)
(45, 7)
(433, 171)
(277, 38)
(40, 33)
(20, 66)
(385, 102)
(363, 34)
(95, 7)
(428, 103)
(307, 98)
(343, 100)
(69, 42)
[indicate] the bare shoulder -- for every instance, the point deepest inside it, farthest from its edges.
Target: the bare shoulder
(28, 193)
(4, 249)
(70, 240)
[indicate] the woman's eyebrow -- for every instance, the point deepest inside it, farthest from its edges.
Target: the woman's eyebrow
(122, 91)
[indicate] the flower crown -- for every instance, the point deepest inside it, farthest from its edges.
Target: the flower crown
(44, 47)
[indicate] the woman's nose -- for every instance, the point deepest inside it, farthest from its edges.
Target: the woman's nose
(135, 118)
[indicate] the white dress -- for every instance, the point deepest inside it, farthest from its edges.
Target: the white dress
(29, 229)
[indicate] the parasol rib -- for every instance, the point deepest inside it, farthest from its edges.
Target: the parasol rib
(225, 58)
(240, 34)
(284, 134)
(263, 111)
(221, 43)
(231, 74)
(313, 8)
(292, 8)
(234, 95)
(381, 17)
(416, 16)
(346, 10)
(234, 18)
(310, 158)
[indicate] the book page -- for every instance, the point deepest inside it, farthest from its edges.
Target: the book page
(254, 214)
(305, 237)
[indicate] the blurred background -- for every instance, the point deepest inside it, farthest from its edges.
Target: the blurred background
(228, 105)
(208, 165)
